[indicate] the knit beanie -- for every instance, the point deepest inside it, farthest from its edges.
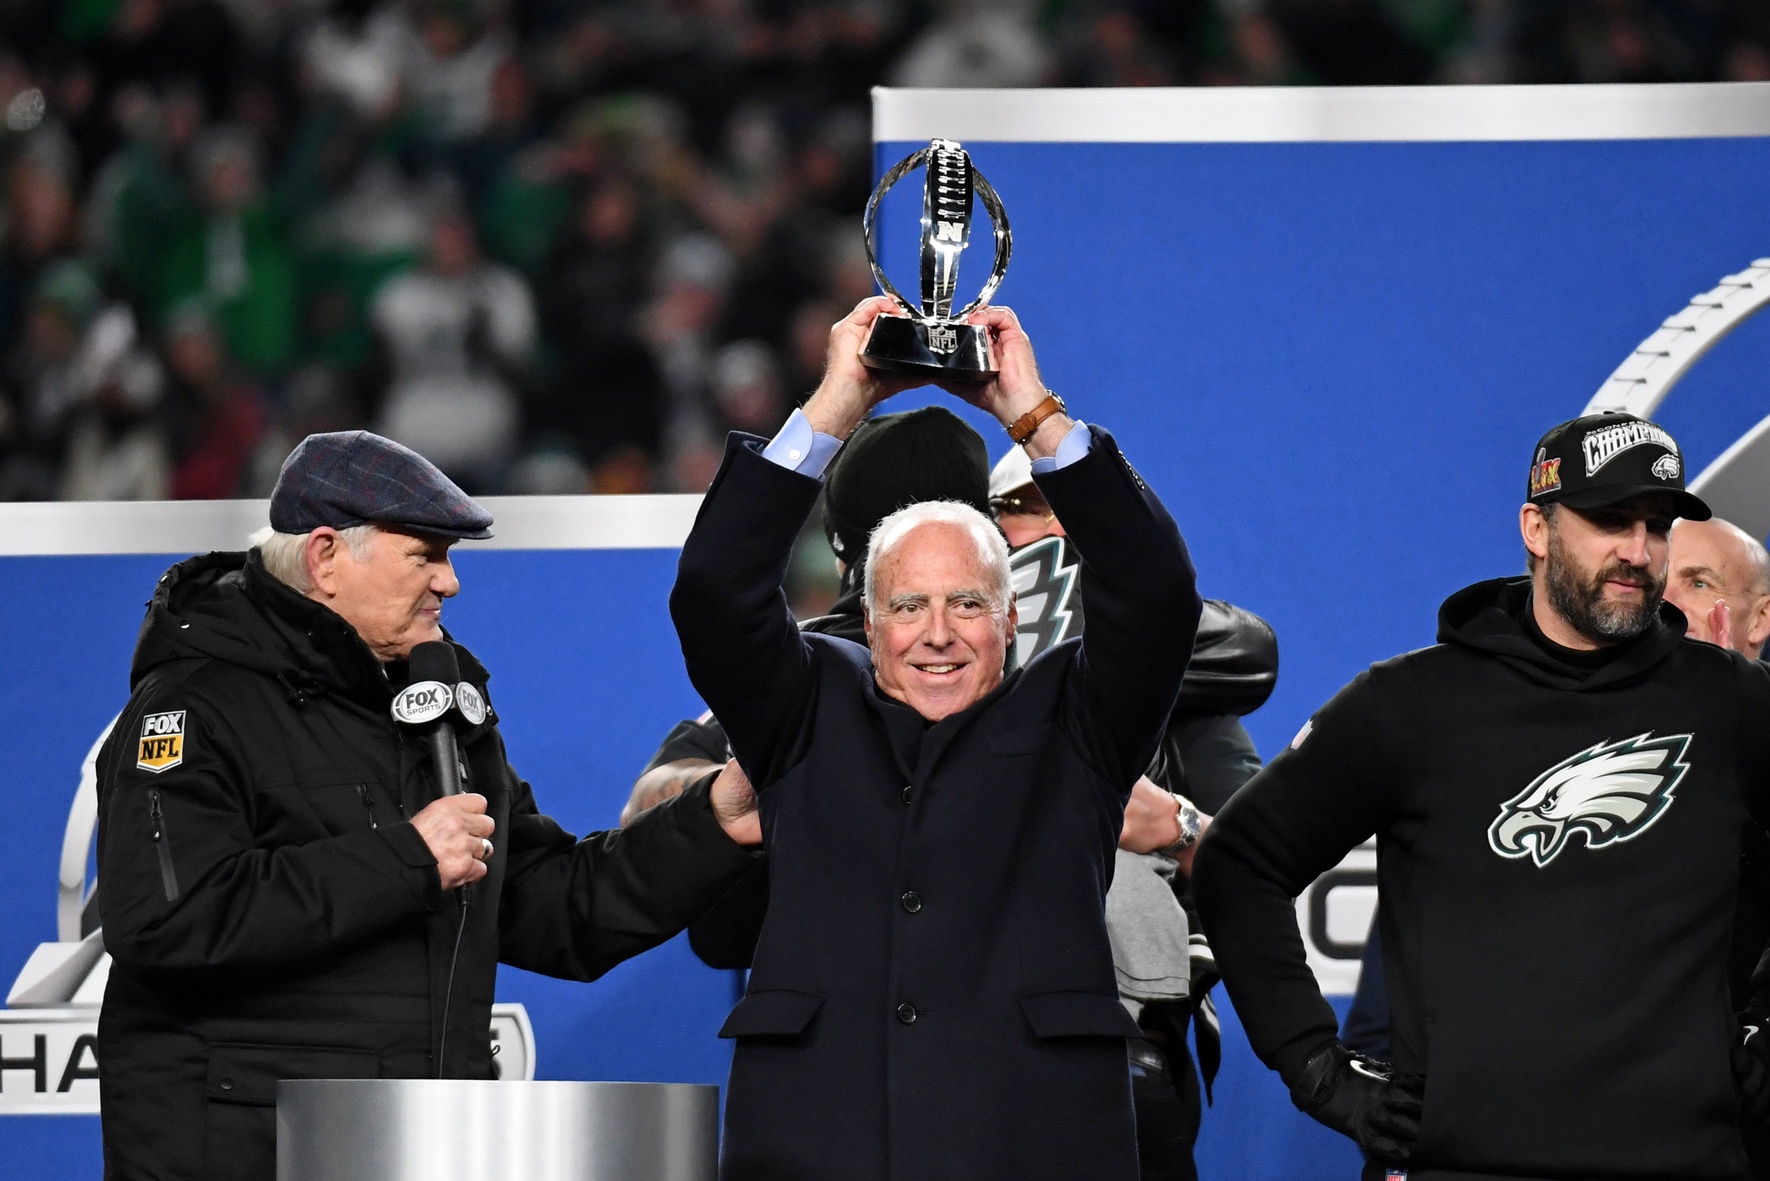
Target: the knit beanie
(896, 460)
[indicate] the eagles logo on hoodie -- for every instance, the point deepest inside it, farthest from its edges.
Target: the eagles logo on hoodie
(1607, 793)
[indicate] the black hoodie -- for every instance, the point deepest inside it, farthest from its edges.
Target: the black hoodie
(1558, 839)
(273, 913)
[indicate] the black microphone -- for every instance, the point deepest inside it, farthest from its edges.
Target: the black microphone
(427, 703)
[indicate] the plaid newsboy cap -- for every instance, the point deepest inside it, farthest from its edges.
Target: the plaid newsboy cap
(347, 478)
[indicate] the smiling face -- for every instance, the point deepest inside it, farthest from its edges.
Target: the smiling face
(937, 623)
(393, 594)
(1601, 572)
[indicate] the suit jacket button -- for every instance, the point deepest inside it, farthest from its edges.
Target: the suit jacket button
(906, 1013)
(227, 1084)
(911, 900)
(907, 793)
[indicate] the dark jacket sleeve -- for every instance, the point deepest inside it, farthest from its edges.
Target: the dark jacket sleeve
(185, 885)
(1292, 822)
(726, 936)
(699, 738)
(1142, 603)
(1206, 759)
(744, 653)
(575, 909)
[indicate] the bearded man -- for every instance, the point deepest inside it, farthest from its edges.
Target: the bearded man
(1558, 790)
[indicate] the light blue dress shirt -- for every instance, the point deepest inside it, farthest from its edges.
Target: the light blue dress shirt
(807, 452)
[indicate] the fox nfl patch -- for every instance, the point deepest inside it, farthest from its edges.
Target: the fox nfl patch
(162, 742)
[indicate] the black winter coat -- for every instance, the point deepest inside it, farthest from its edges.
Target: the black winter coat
(1558, 840)
(933, 996)
(271, 911)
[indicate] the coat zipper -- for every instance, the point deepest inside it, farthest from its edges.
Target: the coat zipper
(168, 879)
(362, 789)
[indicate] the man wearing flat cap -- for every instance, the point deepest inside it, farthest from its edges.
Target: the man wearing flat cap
(281, 875)
(1558, 788)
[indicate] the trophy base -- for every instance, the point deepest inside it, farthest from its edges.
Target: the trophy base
(902, 345)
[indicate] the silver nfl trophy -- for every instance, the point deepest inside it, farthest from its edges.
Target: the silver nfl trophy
(933, 340)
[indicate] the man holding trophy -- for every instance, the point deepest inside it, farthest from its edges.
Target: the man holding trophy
(933, 994)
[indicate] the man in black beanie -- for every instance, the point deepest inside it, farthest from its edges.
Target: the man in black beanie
(890, 461)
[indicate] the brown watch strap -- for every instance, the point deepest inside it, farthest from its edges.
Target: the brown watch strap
(1022, 428)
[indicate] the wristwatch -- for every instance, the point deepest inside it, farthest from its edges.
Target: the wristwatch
(1192, 826)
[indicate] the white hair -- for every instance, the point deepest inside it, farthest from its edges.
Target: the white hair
(992, 548)
(285, 554)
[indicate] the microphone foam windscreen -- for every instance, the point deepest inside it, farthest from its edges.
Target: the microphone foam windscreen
(434, 660)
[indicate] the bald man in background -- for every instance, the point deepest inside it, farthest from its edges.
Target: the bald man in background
(1719, 577)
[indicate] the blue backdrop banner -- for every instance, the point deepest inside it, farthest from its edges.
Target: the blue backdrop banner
(1329, 344)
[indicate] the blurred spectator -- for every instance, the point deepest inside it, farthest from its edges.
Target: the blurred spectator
(38, 226)
(216, 417)
(230, 249)
(354, 54)
(141, 190)
(977, 43)
(679, 181)
(747, 389)
(109, 422)
(606, 394)
(679, 324)
(458, 333)
(448, 68)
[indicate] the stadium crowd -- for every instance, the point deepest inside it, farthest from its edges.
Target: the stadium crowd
(559, 245)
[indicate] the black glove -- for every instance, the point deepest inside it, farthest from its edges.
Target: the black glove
(1364, 1099)
(1751, 1068)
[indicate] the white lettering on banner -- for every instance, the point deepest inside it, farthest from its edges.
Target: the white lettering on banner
(1606, 443)
(49, 1057)
(1334, 913)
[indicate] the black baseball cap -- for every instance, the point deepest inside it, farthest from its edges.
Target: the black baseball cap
(1601, 459)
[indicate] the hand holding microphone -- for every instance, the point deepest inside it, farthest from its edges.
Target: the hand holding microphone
(455, 827)
(458, 832)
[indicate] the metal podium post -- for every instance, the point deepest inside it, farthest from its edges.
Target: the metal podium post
(468, 1130)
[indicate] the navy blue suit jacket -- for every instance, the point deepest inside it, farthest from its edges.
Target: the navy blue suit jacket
(932, 995)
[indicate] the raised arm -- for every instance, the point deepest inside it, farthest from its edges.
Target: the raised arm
(1137, 579)
(1142, 602)
(742, 647)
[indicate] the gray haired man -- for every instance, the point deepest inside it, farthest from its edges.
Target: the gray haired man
(280, 870)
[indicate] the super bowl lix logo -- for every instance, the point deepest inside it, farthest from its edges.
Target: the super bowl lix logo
(1608, 793)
